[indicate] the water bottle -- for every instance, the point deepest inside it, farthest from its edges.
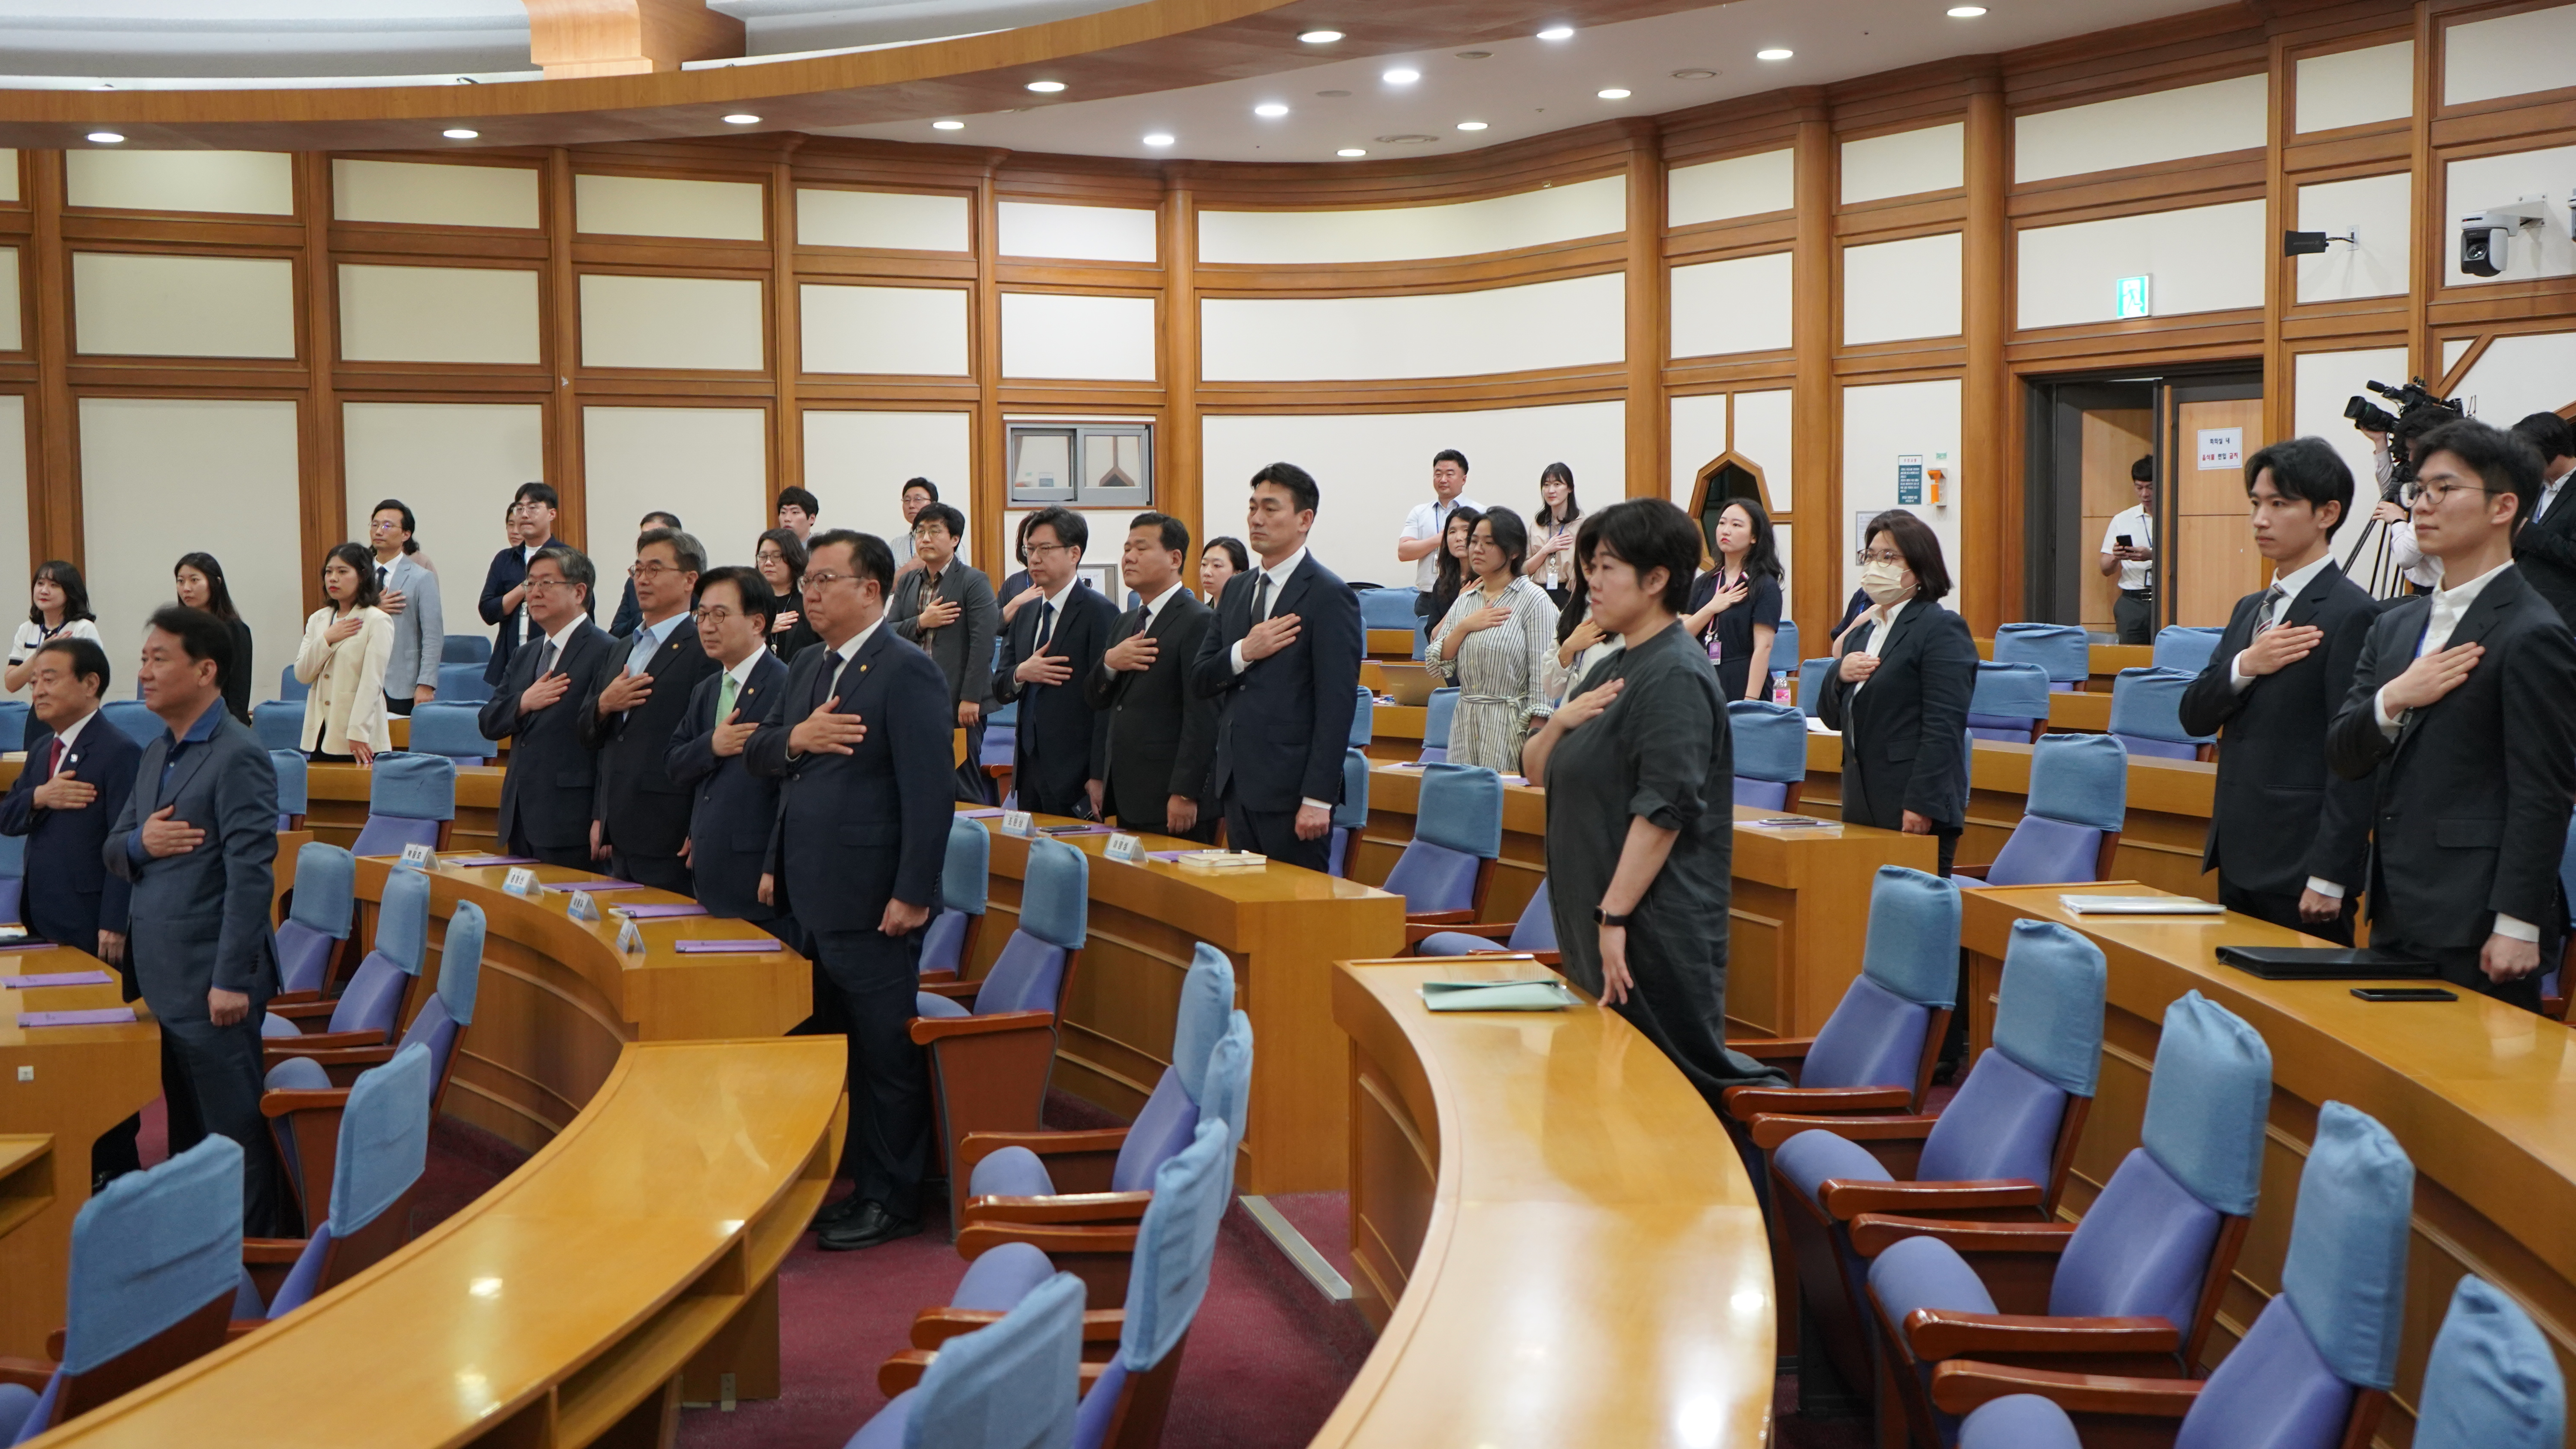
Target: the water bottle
(1780, 689)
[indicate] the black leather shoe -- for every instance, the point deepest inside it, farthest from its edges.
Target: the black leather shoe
(839, 1212)
(866, 1228)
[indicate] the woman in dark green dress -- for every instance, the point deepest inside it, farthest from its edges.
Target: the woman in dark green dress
(1640, 782)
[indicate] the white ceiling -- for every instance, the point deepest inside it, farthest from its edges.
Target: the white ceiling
(1528, 86)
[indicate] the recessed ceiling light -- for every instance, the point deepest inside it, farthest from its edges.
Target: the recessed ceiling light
(105, 138)
(1159, 138)
(742, 118)
(1615, 93)
(1966, 12)
(459, 133)
(948, 125)
(1471, 125)
(1557, 32)
(1694, 75)
(1401, 76)
(1336, 95)
(1350, 151)
(1774, 53)
(1046, 88)
(1475, 55)
(1272, 109)
(1320, 37)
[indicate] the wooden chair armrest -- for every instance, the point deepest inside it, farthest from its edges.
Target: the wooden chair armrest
(934, 1326)
(1873, 1233)
(952, 988)
(308, 1006)
(1847, 1198)
(1746, 1103)
(1069, 1207)
(1938, 1333)
(979, 1145)
(903, 1371)
(279, 1103)
(1770, 1049)
(1972, 872)
(238, 1329)
(928, 1029)
(293, 998)
(1440, 920)
(272, 1251)
(330, 1056)
(977, 1239)
(1418, 929)
(1770, 1129)
(32, 1373)
(1958, 1387)
(278, 1048)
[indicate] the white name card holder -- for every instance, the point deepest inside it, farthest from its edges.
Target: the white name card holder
(630, 940)
(581, 907)
(1127, 848)
(419, 856)
(1016, 822)
(522, 882)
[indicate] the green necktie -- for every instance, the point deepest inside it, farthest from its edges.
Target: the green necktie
(724, 697)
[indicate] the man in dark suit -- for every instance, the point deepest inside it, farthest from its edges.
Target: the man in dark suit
(948, 609)
(630, 611)
(197, 842)
(731, 810)
(79, 771)
(2545, 549)
(2458, 716)
(1283, 658)
(1161, 734)
(631, 709)
(505, 594)
(553, 778)
(1048, 651)
(860, 745)
(2288, 838)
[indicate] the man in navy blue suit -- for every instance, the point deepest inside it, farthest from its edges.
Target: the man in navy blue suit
(1046, 654)
(731, 810)
(860, 746)
(1285, 656)
(79, 771)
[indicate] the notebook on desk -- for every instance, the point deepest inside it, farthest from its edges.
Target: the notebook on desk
(2324, 963)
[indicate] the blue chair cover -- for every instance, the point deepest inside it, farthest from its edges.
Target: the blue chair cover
(1207, 1006)
(1384, 608)
(384, 1139)
(1436, 718)
(17, 721)
(292, 774)
(2018, 1421)
(966, 870)
(460, 963)
(1812, 674)
(2062, 651)
(134, 720)
(2492, 1382)
(326, 889)
(1055, 905)
(1534, 930)
(1364, 719)
(290, 687)
(451, 728)
(279, 724)
(2048, 1014)
(402, 920)
(1784, 648)
(1013, 1385)
(462, 683)
(1913, 944)
(2207, 1101)
(2186, 648)
(1352, 812)
(2147, 704)
(413, 786)
(2080, 779)
(1461, 809)
(471, 649)
(1176, 1245)
(152, 1248)
(1770, 741)
(2015, 693)
(2346, 1269)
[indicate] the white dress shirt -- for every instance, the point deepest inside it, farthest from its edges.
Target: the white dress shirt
(2549, 494)
(1047, 626)
(70, 734)
(1431, 520)
(1154, 605)
(2291, 585)
(2133, 521)
(1278, 573)
(1877, 644)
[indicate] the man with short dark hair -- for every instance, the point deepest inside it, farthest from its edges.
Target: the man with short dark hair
(1046, 654)
(552, 779)
(2459, 717)
(860, 746)
(642, 813)
(797, 510)
(1160, 734)
(505, 596)
(2131, 565)
(629, 612)
(2545, 548)
(731, 810)
(947, 608)
(197, 841)
(1420, 540)
(1283, 658)
(407, 588)
(2288, 838)
(918, 494)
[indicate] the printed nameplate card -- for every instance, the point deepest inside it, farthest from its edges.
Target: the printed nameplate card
(630, 939)
(1127, 848)
(581, 907)
(522, 882)
(1015, 822)
(419, 856)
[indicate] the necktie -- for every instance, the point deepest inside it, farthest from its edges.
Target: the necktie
(2271, 602)
(1046, 626)
(57, 767)
(641, 654)
(1261, 598)
(546, 660)
(724, 697)
(384, 575)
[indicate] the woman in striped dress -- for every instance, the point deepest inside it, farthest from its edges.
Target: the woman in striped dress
(1494, 645)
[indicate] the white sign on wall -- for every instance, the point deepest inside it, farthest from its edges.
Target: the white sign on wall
(2221, 448)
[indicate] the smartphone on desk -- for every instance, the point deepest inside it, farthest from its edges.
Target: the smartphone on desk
(2404, 993)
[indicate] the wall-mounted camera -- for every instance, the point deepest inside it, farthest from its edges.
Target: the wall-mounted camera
(2484, 234)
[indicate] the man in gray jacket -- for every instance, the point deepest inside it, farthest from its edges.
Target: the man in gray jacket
(948, 609)
(410, 594)
(198, 838)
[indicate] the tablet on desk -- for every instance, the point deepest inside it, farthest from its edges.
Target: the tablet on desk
(2324, 963)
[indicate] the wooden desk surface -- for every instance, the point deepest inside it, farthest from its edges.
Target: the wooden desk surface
(2478, 1093)
(1591, 1264)
(26, 1178)
(563, 1300)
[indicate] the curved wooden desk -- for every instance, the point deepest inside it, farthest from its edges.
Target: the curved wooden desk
(1554, 1232)
(2479, 1094)
(566, 1306)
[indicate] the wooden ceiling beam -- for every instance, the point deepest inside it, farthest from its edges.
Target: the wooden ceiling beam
(574, 38)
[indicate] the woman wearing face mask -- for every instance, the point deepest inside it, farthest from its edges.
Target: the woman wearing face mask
(1900, 691)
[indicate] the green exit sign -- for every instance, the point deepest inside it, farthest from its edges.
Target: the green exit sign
(2133, 297)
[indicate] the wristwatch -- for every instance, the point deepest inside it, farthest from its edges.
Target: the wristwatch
(1602, 917)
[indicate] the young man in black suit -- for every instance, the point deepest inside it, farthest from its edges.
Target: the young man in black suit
(505, 592)
(630, 612)
(860, 746)
(1283, 660)
(2289, 837)
(1161, 734)
(2459, 717)
(2545, 549)
(1050, 648)
(731, 810)
(631, 708)
(553, 778)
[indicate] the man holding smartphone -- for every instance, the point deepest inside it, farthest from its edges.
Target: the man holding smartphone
(2128, 558)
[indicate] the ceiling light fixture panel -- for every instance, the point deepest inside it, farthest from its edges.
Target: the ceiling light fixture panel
(1614, 93)
(948, 125)
(1320, 37)
(1350, 151)
(1557, 32)
(106, 138)
(742, 118)
(1471, 125)
(459, 133)
(1159, 138)
(1046, 88)
(1401, 76)
(1966, 12)
(1270, 109)
(1777, 52)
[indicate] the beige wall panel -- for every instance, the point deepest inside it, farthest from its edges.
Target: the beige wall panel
(1902, 163)
(2169, 125)
(2374, 208)
(885, 220)
(2320, 382)
(677, 322)
(1762, 438)
(2510, 55)
(1415, 233)
(173, 306)
(2531, 373)
(2201, 259)
(2485, 181)
(1737, 305)
(438, 314)
(1049, 334)
(456, 465)
(14, 571)
(1699, 434)
(11, 332)
(258, 182)
(8, 174)
(2355, 87)
(856, 462)
(1888, 421)
(708, 465)
(914, 330)
(1736, 186)
(418, 194)
(1083, 233)
(140, 456)
(1572, 323)
(668, 206)
(1901, 289)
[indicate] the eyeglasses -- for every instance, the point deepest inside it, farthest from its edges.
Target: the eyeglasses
(1884, 556)
(818, 582)
(712, 618)
(2441, 493)
(652, 569)
(1040, 550)
(548, 586)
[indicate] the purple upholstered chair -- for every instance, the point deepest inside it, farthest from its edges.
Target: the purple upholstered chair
(2009, 704)
(2000, 1149)
(369, 1010)
(2146, 714)
(1437, 715)
(2132, 1287)
(965, 882)
(2315, 1369)
(1350, 817)
(1012, 1384)
(1770, 753)
(411, 800)
(2070, 828)
(383, 1149)
(1534, 934)
(2062, 651)
(1448, 866)
(326, 900)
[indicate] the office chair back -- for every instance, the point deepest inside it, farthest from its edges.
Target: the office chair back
(411, 800)
(1458, 832)
(325, 907)
(1437, 716)
(1770, 753)
(2185, 647)
(2146, 714)
(13, 878)
(2079, 799)
(1880, 1033)
(965, 881)
(1175, 1248)
(373, 999)
(1812, 674)
(279, 724)
(290, 687)
(454, 729)
(17, 724)
(471, 649)
(2062, 651)
(293, 782)
(1534, 930)
(1055, 910)
(2015, 1106)
(384, 1148)
(1363, 719)
(1350, 815)
(462, 684)
(2009, 703)
(1012, 1385)
(134, 719)
(2491, 1382)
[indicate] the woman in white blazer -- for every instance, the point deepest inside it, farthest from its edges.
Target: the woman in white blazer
(347, 644)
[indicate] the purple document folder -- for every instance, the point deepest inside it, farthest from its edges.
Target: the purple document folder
(1168, 857)
(596, 887)
(95, 1016)
(57, 978)
(986, 814)
(663, 911)
(17, 947)
(713, 947)
(481, 860)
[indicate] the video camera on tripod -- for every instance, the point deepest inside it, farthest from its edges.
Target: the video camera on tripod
(2419, 412)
